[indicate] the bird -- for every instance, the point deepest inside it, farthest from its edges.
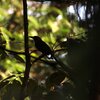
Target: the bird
(46, 50)
(41, 45)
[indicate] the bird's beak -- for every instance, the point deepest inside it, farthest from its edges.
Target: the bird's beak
(30, 36)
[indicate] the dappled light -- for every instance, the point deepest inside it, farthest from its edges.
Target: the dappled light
(58, 41)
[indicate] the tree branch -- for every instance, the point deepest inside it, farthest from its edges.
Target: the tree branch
(27, 55)
(13, 52)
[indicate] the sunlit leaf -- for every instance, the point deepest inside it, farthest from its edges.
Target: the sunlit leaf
(6, 35)
(58, 11)
(53, 25)
(34, 22)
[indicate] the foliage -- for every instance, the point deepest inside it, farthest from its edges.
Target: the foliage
(55, 27)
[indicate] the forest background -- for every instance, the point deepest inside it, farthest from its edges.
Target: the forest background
(71, 29)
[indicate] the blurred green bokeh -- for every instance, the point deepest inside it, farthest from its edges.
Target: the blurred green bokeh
(48, 22)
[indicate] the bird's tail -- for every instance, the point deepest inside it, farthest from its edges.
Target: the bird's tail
(64, 67)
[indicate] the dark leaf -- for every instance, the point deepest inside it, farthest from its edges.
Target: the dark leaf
(11, 91)
(55, 95)
(37, 93)
(3, 55)
(17, 57)
(55, 79)
(3, 83)
(32, 84)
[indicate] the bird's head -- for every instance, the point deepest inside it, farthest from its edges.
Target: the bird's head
(35, 38)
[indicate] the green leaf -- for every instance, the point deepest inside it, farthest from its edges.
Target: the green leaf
(33, 21)
(3, 83)
(3, 55)
(17, 57)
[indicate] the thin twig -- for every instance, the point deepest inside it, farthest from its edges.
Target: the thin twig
(45, 61)
(36, 59)
(13, 52)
